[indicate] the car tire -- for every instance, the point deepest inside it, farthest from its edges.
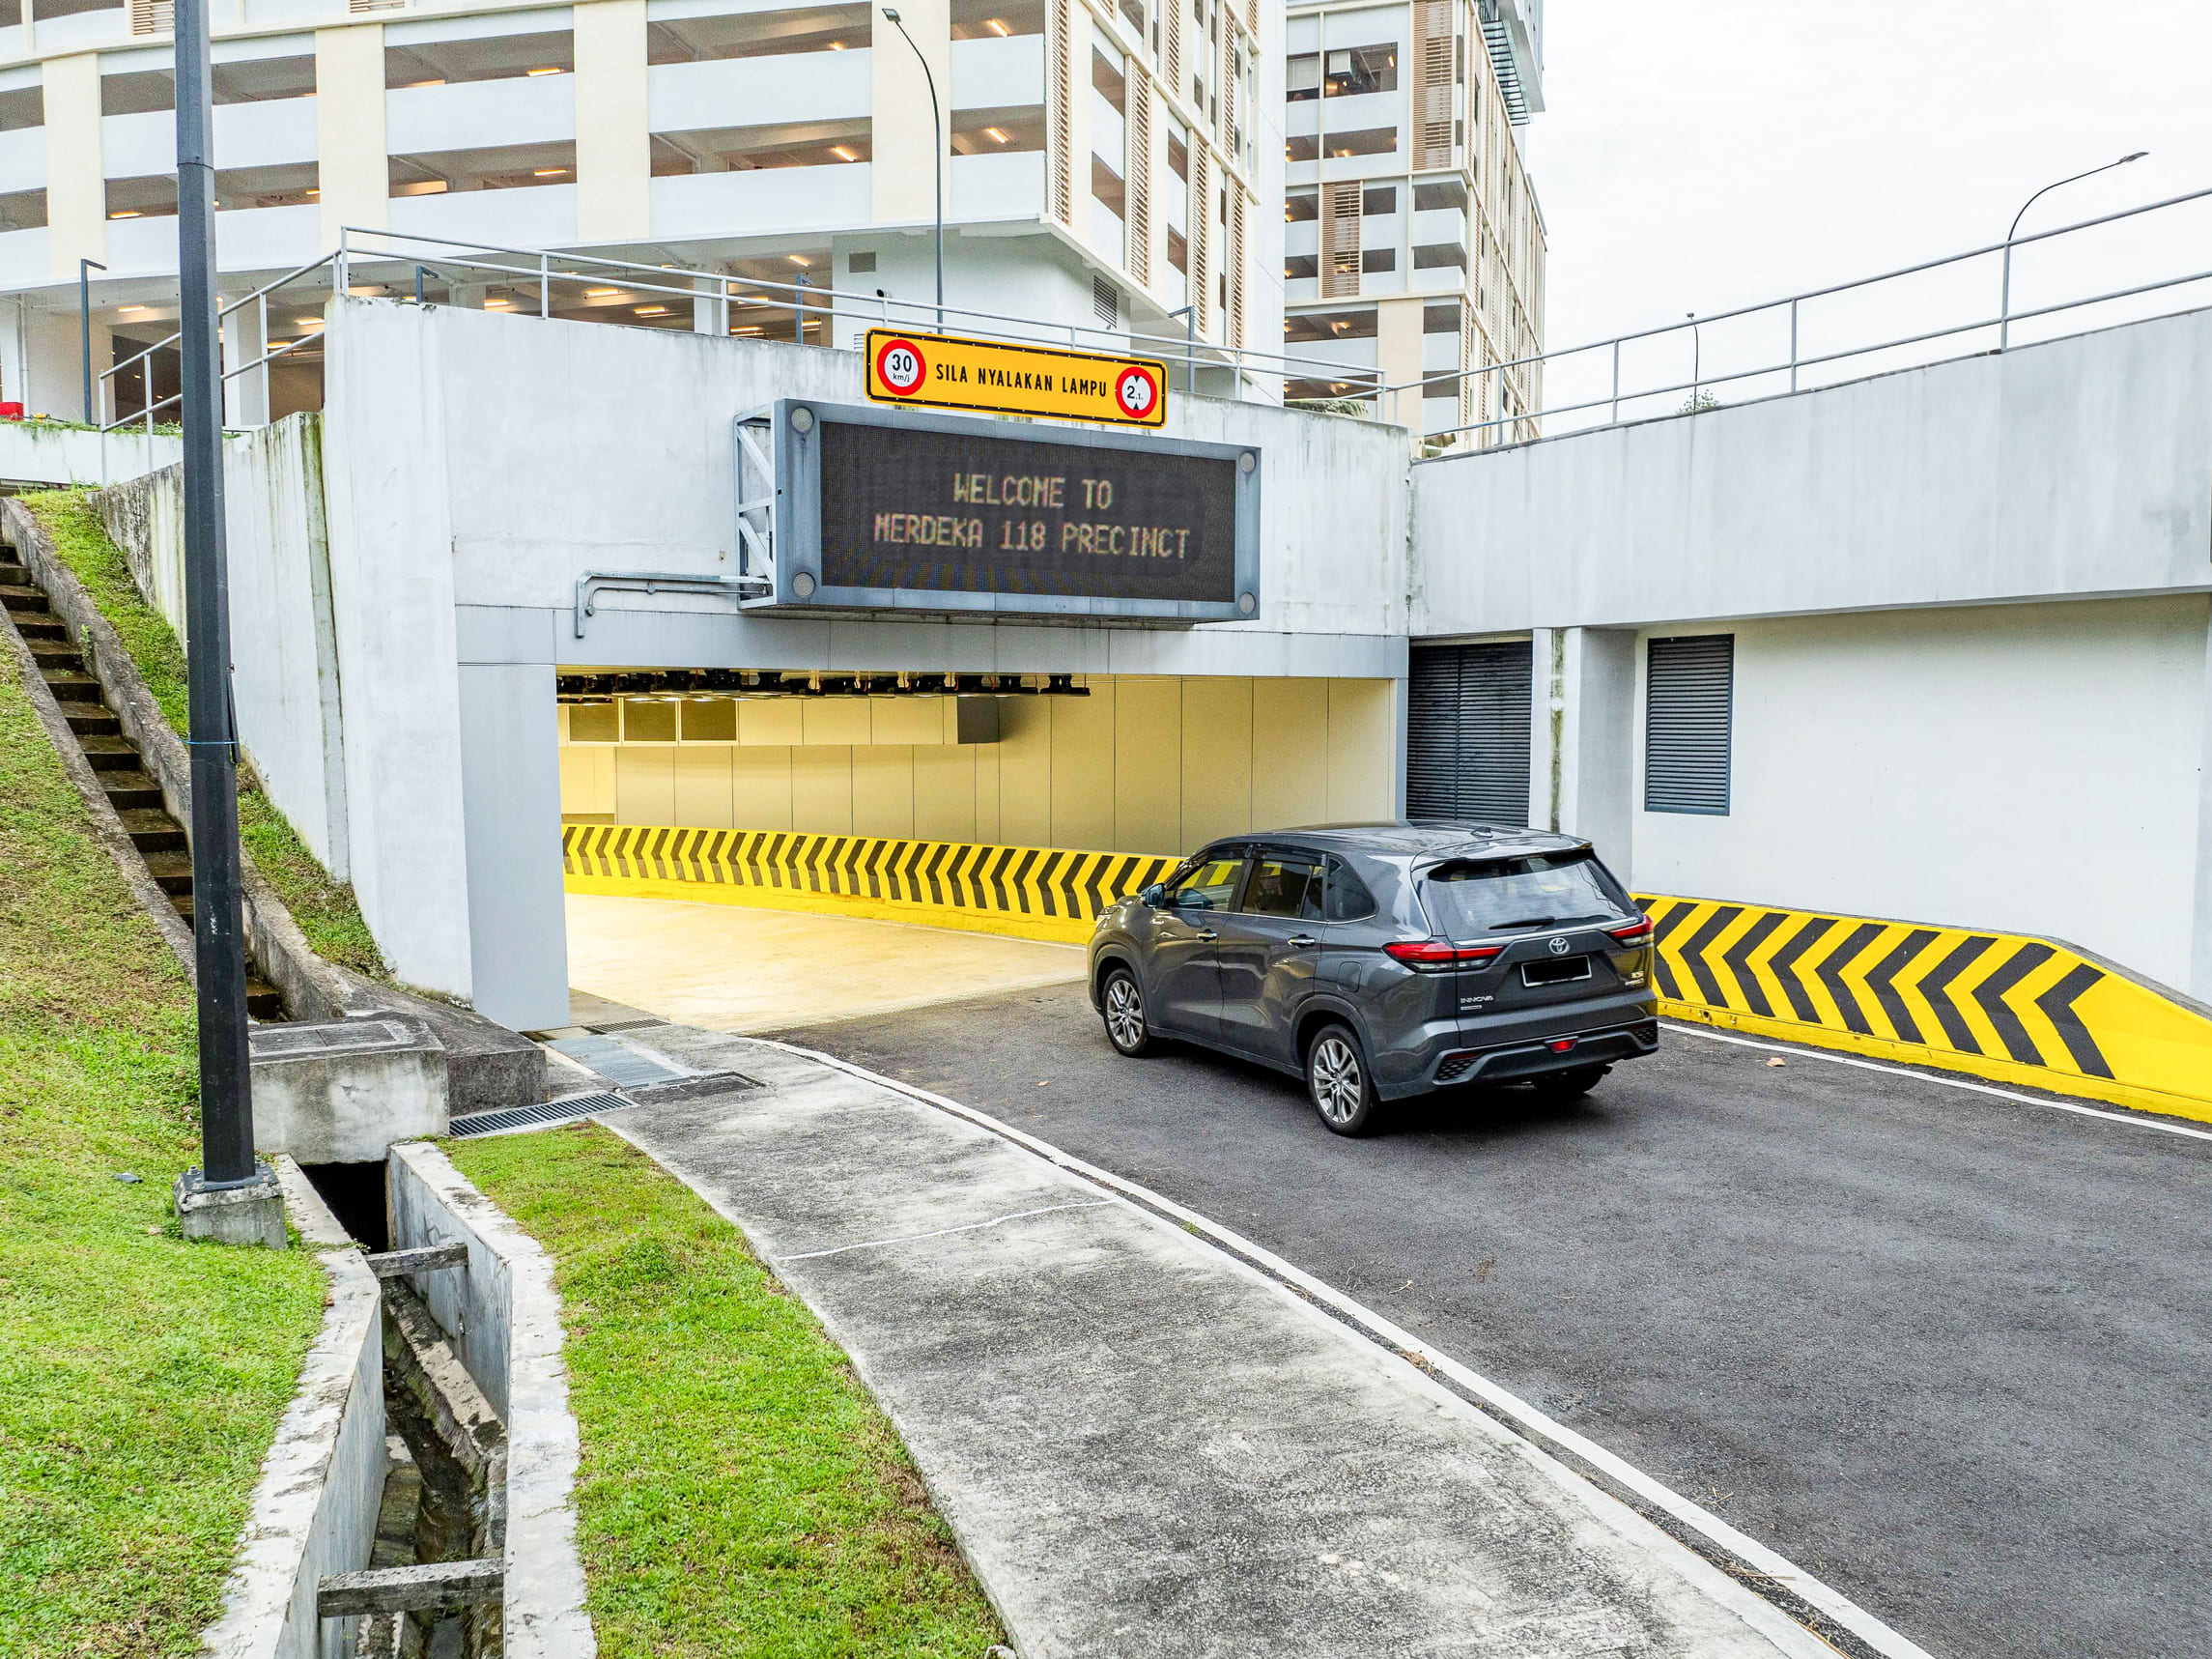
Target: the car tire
(1121, 1005)
(1339, 1083)
(1569, 1085)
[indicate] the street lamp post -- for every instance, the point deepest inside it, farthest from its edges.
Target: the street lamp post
(936, 156)
(84, 329)
(2005, 301)
(229, 1196)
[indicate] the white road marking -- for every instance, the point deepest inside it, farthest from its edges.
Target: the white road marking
(1763, 1563)
(944, 1232)
(1811, 1053)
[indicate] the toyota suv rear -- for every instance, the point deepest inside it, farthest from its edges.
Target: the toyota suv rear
(1378, 961)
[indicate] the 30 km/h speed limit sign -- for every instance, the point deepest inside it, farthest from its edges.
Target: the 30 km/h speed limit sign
(941, 372)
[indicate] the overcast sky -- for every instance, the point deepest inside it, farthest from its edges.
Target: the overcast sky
(1710, 153)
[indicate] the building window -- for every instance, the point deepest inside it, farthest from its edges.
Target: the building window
(1379, 201)
(1689, 685)
(490, 57)
(1438, 255)
(1303, 72)
(1377, 259)
(746, 148)
(1305, 327)
(1300, 207)
(1301, 267)
(290, 186)
(1360, 70)
(1437, 194)
(999, 132)
(1109, 149)
(1305, 147)
(506, 168)
(22, 209)
(1367, 141)
(22, 107)
(996, 20)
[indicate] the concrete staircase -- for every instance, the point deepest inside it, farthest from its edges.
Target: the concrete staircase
(131, 788)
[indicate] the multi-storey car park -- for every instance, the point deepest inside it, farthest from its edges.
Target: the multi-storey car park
(1105, 167)
(1415, 248)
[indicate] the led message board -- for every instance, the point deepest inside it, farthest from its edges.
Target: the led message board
(893, 508)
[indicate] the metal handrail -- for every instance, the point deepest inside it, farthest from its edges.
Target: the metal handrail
(1797, 363)
(357, 248)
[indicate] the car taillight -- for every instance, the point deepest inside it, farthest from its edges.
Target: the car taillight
(1439, 953)
(1636, 932)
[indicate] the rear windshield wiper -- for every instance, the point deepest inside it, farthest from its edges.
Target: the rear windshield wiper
(1545, 922)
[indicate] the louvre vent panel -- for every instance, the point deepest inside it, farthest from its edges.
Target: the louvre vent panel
(1689, 690)
(1467, 732)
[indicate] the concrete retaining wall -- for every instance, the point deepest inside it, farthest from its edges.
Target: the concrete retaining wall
(503, 1317)
(314, 1508)
(283, 647)
(34, 452)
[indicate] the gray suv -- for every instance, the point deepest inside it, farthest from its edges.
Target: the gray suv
(1381, 961)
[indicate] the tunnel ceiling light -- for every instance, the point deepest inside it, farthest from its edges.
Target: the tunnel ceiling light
(799, 259)
(126, 214)
(836, 46)
(652, 310)
(308, 323)
(433, 81)
(842, 153)
(995, 26)
(994, 134)
(547, 172)
(129, 309)
(603, 293)
(549, 69)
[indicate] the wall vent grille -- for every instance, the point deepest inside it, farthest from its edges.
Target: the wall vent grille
(1467, 732)
(1689, 693)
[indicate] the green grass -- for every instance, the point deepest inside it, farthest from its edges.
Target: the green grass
(324, 910)
(741, 1494)
(140, 1376)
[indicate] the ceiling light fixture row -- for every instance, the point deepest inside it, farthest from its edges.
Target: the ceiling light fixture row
(770, 682)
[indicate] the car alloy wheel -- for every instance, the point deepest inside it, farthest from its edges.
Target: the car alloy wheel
(1124, 1013)
(1336, 1079)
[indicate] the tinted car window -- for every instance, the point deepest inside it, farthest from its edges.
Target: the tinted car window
(1348, 899)
(1279, 887)
(1211, 885)
(1537, 890)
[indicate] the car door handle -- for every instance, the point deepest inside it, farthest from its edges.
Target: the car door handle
(1301, 942)
(1204, 933)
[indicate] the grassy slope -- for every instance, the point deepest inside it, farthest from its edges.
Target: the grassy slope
(324, 910)
(741, 1493)
(140, 1376)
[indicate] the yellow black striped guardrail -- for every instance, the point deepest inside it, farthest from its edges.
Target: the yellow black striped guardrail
(1031, 892)
(2001, 1006)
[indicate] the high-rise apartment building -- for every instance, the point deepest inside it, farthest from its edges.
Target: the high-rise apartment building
(1106, 164)
(1413, 244)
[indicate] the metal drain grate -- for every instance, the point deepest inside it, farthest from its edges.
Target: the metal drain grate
(538, 1116)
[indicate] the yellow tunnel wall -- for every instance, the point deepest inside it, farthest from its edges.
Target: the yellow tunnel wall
(1143, 764)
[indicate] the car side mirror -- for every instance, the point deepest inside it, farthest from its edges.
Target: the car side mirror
(1153, 897)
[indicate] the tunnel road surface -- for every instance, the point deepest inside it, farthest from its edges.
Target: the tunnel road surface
(1950, 1354)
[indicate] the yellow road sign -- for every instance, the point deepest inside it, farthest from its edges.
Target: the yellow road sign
(945, 373)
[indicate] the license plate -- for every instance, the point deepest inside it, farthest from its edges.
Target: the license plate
(1564, 971)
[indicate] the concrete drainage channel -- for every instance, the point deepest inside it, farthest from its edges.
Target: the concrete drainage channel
(415, 1503)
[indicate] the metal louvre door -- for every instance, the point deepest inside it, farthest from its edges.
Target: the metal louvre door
(1467, 732)
(1689, 697)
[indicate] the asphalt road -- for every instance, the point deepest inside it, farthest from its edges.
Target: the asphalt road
(1950, 1354)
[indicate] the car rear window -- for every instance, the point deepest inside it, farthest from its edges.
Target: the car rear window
(1537, 890)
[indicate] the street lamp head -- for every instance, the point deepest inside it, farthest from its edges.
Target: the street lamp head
(891, 13)
(2136, 156)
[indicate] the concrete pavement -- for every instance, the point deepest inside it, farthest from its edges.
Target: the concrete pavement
(1950, 1352)
(1145, 1446)
(733, 968)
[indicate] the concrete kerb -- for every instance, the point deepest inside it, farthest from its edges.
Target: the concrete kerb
(314, 1507)
(503, 1316)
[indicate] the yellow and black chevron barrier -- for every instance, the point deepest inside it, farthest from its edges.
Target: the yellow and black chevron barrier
(1030, 892)
(1999, 1006)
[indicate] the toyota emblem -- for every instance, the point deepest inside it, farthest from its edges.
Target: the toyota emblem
(1559, 945)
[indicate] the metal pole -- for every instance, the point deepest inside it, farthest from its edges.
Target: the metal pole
(262, 312)
(937, 153)
(226, 1096)
(1793, 345)
(545, 289)
(1616, 383)
(799, 311)
(2005, 298)
(84, 329)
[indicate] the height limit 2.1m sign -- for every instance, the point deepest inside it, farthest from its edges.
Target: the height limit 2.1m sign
(937, 371)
